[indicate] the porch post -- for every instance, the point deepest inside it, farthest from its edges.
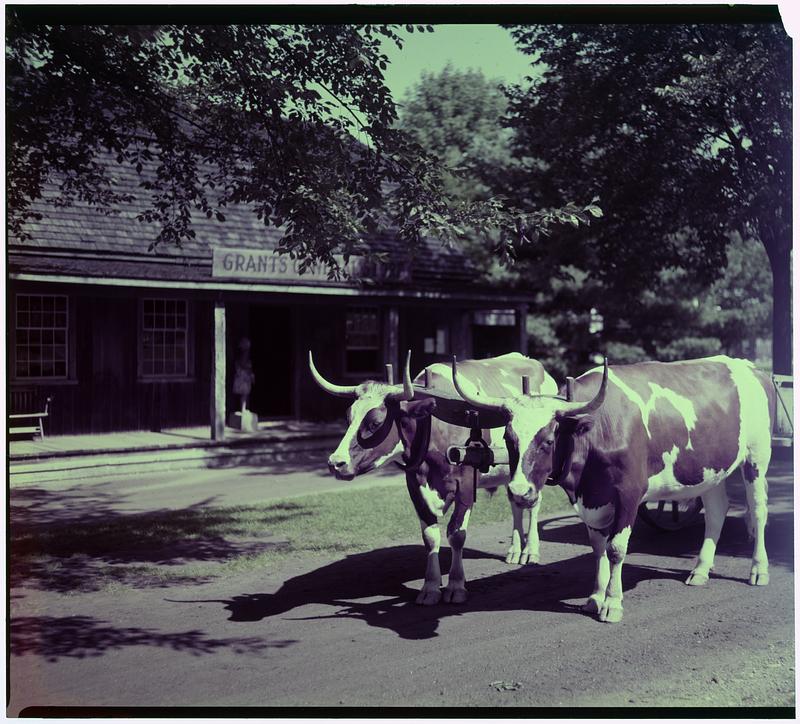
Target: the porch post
(391, 340)
(461, 337)
(522, 328)
(299, 364)
(218, 373)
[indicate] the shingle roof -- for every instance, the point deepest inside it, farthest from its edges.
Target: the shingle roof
(81, 239)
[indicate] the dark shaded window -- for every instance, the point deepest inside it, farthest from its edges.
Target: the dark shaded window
(165, 331)
(362, 341)
(41, 335)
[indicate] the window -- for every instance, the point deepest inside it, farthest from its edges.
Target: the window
(41, 336)
(437, 344)
(164, 338)
(362, 340)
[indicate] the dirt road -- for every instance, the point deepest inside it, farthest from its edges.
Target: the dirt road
(345, 632)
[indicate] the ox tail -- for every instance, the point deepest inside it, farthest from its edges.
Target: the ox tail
(755, 466)
(772, 396)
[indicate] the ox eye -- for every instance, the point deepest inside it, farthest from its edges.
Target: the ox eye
(372, 423)
(546, 444)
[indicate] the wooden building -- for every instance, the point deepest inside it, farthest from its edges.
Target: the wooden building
(123, 338)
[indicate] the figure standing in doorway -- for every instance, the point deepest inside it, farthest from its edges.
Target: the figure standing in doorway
(244, 378)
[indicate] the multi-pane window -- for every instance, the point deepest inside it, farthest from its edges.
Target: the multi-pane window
(165, 325)
(41, 336)
(362, 340)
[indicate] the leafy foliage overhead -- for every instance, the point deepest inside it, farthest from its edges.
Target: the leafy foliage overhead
(294, 120)
(677, 128)
(457, 115)
(684, 132)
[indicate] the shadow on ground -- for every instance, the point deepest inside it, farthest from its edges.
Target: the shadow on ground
(350, 583)
(83, 636)
(71, 540)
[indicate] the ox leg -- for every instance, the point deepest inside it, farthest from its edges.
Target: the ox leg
(755, 485)
(606, 599)
(525, 534)
(431, 592)
(598, 541)
(431, 537)
(715, 502)
(617, 548)
(456, 591)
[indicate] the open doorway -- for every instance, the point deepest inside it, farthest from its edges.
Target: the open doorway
(272, 351)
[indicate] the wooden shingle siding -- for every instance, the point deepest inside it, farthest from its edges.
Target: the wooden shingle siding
(87, 236)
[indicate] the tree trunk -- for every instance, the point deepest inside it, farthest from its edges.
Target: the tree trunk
(781, 263)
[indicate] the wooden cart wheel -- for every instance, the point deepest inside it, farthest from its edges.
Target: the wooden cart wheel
(671, 514)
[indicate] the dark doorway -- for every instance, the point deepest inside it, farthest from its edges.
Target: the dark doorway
(272, 338)
(492, 341)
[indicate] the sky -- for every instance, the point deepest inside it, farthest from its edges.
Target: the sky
(488, 48)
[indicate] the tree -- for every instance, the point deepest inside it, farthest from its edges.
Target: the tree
(675, 317)
(457, 116)
(679, 318)
(683, 132)
(295, 121)
(738, 307)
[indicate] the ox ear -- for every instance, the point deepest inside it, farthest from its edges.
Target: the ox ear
(421, 408)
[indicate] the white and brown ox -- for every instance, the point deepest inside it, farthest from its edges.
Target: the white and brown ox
(650, 431)
(386, 422)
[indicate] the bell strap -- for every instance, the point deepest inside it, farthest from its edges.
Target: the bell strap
(564, 447)
(419, 446)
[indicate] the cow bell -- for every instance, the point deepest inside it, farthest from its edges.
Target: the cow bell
(477, 456)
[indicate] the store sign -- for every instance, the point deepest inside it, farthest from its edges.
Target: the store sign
(268, 266)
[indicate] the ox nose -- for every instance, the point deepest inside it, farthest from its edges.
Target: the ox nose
(526, 501)
(524, 494)
(338, 467)
(521, 489)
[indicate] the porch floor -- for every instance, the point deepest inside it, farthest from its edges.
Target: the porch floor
(173, 438)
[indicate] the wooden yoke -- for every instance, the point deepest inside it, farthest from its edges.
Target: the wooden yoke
(454, 409)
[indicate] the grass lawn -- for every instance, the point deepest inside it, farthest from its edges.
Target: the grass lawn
(90, 553)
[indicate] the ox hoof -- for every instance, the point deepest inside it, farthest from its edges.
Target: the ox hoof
(611, 612)
(697, 578)
(522, 558)
(758, 577)
(455, 595)
(592, 605)
(429, 597)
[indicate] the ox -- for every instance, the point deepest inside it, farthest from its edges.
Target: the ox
(652, 431)
(385, 421)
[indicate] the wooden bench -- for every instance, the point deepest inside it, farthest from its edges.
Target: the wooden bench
(27, 423)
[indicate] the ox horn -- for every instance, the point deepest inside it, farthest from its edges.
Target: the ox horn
(407, 391)
(338, 390)
(582, 408)
(494, 404)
